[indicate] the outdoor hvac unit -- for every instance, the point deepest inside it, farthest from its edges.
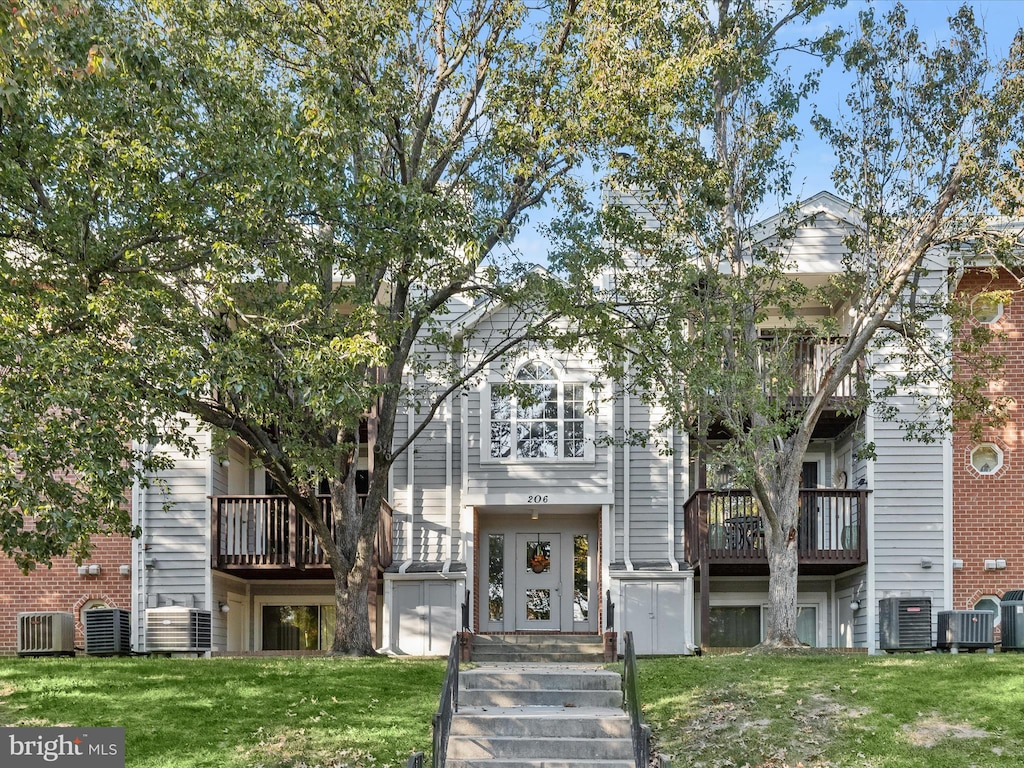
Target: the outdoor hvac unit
(46, 633)
(1011, 608)
(177, 630)
(108, 632)
(965, 629)
(905, 623)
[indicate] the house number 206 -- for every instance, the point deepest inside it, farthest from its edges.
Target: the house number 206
(536, 499)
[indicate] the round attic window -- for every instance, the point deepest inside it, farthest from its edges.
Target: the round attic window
(987, 459)
(985, 309)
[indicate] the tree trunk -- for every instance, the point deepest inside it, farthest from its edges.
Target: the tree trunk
(355, 528)
(781, 540)
(352, 635)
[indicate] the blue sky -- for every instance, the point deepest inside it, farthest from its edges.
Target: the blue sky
(814, 160)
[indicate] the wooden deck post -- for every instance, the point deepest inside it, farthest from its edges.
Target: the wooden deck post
(214, 532)
(293, 538)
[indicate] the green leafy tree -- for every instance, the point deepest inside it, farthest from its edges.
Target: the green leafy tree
(690, 280)
(255, 216)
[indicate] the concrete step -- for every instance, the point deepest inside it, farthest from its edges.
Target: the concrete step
(551, 657)
(553, 698)
(535, 638)
(508, 747)
(542, 722)
(539, 685)
(539, 677)
(540, 736)
(526, 763)
(538, 647)
(540, 716)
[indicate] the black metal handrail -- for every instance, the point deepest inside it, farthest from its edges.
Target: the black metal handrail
(609, 612)
(448, 706)
(415, 760)
(640, 731)
(465, 610)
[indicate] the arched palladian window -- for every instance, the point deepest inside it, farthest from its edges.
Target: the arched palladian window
(540, 417)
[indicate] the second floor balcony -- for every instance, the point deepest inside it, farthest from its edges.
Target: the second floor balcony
(811, 358)
(725, 531)
(264, 537)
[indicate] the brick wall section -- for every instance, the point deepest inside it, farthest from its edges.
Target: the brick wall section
(988, 511)
(60, 588)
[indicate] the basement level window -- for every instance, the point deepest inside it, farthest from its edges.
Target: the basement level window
(91, 605)
(987, 459)
(989, 603)
(986, 309)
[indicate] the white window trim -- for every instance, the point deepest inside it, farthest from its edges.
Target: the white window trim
(996, 319)
(561, 379)
(999, 459)
(264, 600)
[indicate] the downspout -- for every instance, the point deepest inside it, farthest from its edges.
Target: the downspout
(410, 495)
(467, 516)
(672, 500)
(626, 426)
(947, 486)
(138, 584)
(449, 522)
(872, 618)
(211, 462)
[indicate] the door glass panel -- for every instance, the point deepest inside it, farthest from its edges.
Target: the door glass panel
(580, 578)
(807, 625)
(297, 627)
(538, 605)
(538, 556)
(735, 626)
(496, 577)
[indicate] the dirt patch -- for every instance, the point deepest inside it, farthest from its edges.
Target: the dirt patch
(795, 736)
(931, 730)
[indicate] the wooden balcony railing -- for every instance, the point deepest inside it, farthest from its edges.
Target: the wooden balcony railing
(811, 358)
(257, 532)
(726, 528)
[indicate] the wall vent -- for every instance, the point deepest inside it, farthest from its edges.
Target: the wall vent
(46, 633)
(905, 623)
(108, 632)
(1011, 627)
(175, 629)
(965, 629)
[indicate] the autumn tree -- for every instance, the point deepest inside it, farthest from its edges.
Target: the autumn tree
(250, 215)
(690, 280)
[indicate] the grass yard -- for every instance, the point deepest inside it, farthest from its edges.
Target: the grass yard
(905, 711)
(235, 713)
(920, 710)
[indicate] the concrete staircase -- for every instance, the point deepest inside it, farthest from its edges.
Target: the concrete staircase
(537, 648)
(539, 715)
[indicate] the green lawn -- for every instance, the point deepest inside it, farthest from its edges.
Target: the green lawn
(227, 713)
(926, 710)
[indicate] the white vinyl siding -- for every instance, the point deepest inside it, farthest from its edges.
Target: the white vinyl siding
(175, 531)
(909, 498)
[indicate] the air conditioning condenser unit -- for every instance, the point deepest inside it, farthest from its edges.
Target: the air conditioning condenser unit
(46, 633)
(1011, 609)
(969, 630)
(905, 623)
(177, 630)
(108, 632)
